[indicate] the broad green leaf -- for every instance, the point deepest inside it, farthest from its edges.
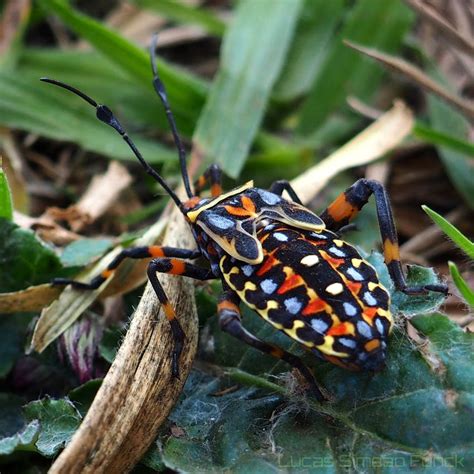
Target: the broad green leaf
(239, 95)
(417, 412)
(345, 72)
(6, 205)
(310, 46)
(36, 107)
(182, 13)
(465, 244)
(15, 433)
(461, 284)
(58, 420)
(84, 251)
(186, 92)
(25, 260)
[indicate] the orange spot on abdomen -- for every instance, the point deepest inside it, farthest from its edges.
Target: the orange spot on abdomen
(291, 282)
(267, 265)
(339, 330)
(314, 306)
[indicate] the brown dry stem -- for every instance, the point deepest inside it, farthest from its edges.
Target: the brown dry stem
(138, 392)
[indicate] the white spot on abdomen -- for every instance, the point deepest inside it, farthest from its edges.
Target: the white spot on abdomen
(338, 253)
(310, 260)
(364, 329)
(319, 325)
(335, 288)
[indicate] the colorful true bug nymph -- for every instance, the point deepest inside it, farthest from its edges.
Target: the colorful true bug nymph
(279, 258)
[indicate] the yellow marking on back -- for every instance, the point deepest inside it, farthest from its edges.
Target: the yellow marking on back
(327, 347)
(356, 262)
(339, 243)
(193, 215)
(292, 333)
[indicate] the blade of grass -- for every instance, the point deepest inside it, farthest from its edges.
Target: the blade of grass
(183, 13)
(452, 232)
(437, 137)
(442, 117)
(344, 73)
(239, 95)
(30, 105)
(461, 284)
(416, 75)
(185, 91)
(6, 205)
(309, 48)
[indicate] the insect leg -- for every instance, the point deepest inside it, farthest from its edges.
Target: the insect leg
(230, 322)
(133, 252)
(174, 266)
(346, 206)
(283, 185)
(213, 177)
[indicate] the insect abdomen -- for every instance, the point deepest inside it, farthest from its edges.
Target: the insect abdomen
(318, 290)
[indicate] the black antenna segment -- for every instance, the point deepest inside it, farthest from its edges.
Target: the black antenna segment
(161, 91)
(104, 114)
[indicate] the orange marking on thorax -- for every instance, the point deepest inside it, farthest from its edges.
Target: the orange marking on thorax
(339, 330)
(341, 209)
(155, 251)
(237, 211)
(291, 282)
(248, 204)
(268, 263)
(106, 273)
(391, 251)
(314, 306)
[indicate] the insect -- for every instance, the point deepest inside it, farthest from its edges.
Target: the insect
(277, 257)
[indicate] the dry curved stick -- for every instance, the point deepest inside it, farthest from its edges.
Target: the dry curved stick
(138, 392)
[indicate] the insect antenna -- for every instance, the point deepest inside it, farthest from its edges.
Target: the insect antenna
(104, 114)
(161, 91)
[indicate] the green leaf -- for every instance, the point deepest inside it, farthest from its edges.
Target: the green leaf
(345, 72)
(183, 13)
(414, 413)
(58, 419)
(310, 46)
(15, 433)
(83, 396)
(29, 105)
(6, 204)
(25, 260)
(452, 232)
(186, 92)
(436, 137)
(13, 332)
(239, 95)
(461, 284)
(84, 251)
